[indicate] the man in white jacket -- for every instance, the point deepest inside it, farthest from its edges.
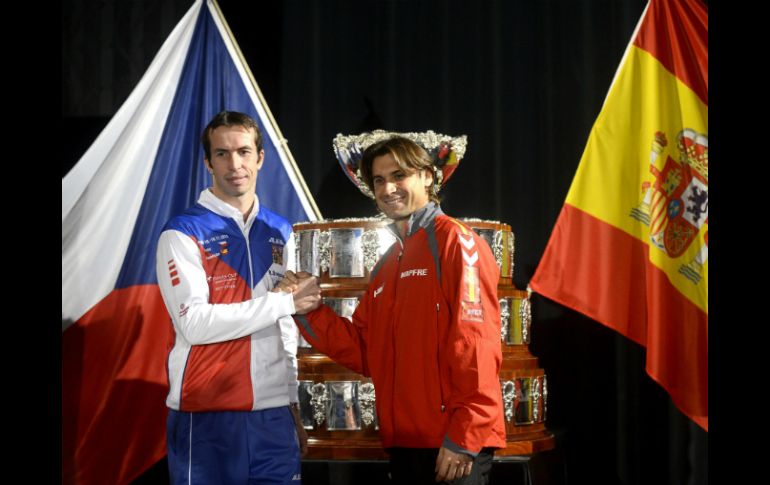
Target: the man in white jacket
(232, 370)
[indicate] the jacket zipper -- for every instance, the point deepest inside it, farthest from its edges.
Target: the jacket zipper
(245, 231)
(438, 360)
(393, 323)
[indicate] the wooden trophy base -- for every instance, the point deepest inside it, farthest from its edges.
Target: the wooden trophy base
(371, 449)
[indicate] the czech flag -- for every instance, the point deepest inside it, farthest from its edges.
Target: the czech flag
(145, 167)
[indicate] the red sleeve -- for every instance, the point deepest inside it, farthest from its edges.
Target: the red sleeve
(472, 350)
(340, 339)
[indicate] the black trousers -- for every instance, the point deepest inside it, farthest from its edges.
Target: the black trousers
(416, 466)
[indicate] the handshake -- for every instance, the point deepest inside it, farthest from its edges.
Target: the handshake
(304, 287)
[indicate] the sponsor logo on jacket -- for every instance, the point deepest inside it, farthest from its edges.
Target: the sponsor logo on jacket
(220, 282)
(215, 246)
(277, 254)
(414, 272)
(277, 249)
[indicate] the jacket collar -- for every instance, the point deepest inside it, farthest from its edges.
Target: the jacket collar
(420, 218)
(216, 205)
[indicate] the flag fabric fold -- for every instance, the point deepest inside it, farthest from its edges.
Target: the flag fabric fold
(630, 246)
(145, 166)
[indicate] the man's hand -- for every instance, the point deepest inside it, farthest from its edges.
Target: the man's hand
(301, 433)
(288, 284)
(451, 465)
(307, 295)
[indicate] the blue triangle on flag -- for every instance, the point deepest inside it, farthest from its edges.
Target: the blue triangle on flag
(210, 83)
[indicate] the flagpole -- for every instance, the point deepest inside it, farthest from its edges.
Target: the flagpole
(281, 138)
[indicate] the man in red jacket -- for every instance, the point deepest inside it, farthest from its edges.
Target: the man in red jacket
(427, 330)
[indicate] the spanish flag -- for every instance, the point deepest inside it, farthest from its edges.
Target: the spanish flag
(630, 246)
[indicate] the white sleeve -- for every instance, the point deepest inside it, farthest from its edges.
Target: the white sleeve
(289, 330)
(185, 291)
(289, 334)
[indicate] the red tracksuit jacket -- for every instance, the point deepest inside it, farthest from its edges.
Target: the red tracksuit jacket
(427, 331)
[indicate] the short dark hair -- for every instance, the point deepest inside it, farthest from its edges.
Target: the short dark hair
(230, 118)
(409, 156)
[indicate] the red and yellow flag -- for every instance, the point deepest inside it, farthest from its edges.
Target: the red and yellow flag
(630, 247)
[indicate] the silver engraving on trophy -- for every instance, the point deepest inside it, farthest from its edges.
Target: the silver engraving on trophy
(306, 250)
(375, 243)
(343, 307)
(370, 242)
(536, 399)
(319, 401)
(545, 397)
(344, 412)
(324, 250)
(525, 316)
(305, 408)
(347, 255)
(497, 249)
(509, 394)
(367, 399)
(505, 319)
